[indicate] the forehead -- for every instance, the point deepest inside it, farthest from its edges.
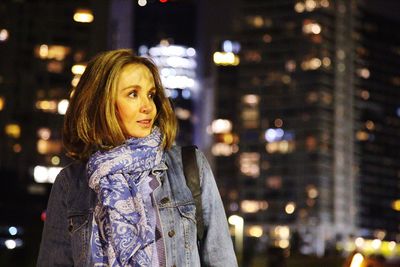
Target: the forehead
(135, 74)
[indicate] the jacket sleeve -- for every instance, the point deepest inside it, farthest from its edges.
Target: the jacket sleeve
(55, 248)
(217, 247)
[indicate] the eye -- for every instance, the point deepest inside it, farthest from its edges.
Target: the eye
(152, 95)
(133, 94)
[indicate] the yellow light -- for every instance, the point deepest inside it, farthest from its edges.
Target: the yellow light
(362, 136)
(290, 208)
(310, 5)
(250, 206)
(83, 16)
(396, 205)
(78, 69)
(255, 231)
(13, 130)
(226, 59)
(283, 243)
(258, 21)
(357, 260)
(299, 7)
(326, 61)
(55, 160)
(43, 51)
(227, 138)
(2, 102)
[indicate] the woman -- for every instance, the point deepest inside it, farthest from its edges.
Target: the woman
(124, 201)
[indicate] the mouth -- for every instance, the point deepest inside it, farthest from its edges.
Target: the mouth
(145, 123)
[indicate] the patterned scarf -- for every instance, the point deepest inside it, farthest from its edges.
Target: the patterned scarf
(121, 232)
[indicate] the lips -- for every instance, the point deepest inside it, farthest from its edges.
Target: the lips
(145, 123)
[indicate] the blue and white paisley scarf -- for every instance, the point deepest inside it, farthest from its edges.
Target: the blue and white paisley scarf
(121, 232)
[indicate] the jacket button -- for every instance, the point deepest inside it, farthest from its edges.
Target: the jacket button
(165, 200)
(171, 233)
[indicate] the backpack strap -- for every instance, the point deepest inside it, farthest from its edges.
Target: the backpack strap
(192, 176)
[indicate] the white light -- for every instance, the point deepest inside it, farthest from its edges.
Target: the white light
(221, 126)
(10, 244)
(357, 260)
(376, 243)
(392, 245)
(186, 94)
(78, 69)
(13, 230)
(83, 16)
(235, 220)
(62, 106)
(143, 50)
(190, 52)
(398, 112)
(272, 135)
(142, 2)
(4, 35)
(227, 46)
(42, 174)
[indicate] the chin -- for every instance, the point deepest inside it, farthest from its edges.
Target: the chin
(140, 134)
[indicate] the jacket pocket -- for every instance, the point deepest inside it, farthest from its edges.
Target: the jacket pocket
(188, 222)
(79, 232)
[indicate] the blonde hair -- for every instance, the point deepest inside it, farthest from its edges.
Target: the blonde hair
(91, 122)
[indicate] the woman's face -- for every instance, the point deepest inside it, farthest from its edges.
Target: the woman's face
(135, 100)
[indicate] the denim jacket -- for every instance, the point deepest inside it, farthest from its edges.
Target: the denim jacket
(67, 230)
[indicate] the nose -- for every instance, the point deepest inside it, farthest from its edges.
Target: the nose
(146, 106)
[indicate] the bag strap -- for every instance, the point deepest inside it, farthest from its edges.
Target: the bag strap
(192, 176)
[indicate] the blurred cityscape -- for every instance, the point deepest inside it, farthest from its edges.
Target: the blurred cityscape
(296, 104)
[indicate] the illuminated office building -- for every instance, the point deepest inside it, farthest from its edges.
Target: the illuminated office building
(310, 123)
(377, 131)
(177, 66)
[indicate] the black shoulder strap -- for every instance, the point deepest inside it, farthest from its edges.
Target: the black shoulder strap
(192, 176)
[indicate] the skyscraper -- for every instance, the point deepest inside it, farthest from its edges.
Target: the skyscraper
(303, 164)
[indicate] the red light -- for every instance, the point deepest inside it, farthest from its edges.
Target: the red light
(163, 1)
(43, 216)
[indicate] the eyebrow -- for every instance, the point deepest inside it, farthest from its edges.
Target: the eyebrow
(137, 87)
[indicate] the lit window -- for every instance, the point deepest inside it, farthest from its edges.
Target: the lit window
(312, 191)
(55, 67)
(312, 97)
(311, 27)
(4, 35)
(290, 65)
(78, 69)
(364, 94)
(2, 102)
(364, 73)
(83, 16)
(274, 182)
(255, 231)
(44, 133)
(256, 21)
(142, 2)
(252, 56)
(326, 61)
(226, 59)
(311, 143)
(370, 125)
(290, 207)
(250, 118)
(56, 52)
(17, 148)
(47, 105)
(299, 7)
(182, 113)
(221, 126)
(49, 147)
(311, 64)
(62, 106)
(267, 38)
(310, 5)
(281, 232)
(222, 149)
(250, 164)
(43, 174)
(251, 100)
(362, 136)
(253, 206)
(13, 130)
